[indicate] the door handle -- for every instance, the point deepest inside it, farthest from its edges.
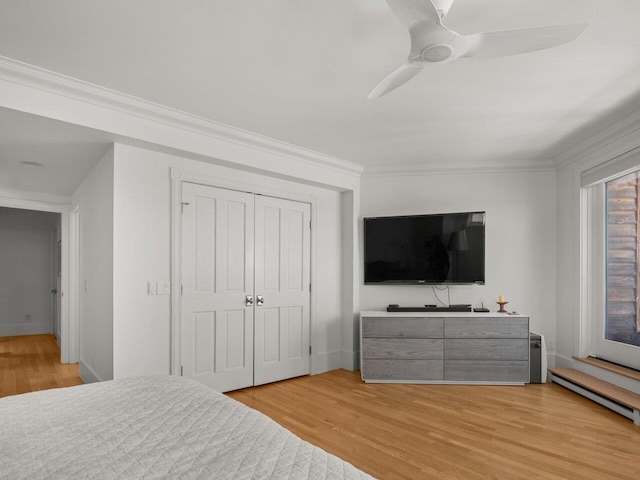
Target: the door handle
(54, 291)
(248, 300)
(260, 300)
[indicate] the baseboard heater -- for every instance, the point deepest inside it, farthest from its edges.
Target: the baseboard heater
(623, 410)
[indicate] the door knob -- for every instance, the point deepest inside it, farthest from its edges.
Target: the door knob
(54, 291)
(260, 300)
(248, 300)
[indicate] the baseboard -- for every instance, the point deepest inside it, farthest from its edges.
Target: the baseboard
(350, 360)
(26, 328)
(562, 361)
(551, 359)
(325, 362)
(88, 374)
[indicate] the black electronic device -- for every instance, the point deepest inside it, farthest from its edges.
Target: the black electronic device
(481, 310)
(425, 249)
(451, 308)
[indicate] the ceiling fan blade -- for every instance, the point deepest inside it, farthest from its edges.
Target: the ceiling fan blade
(410, 12)
(502, 43)
(399, 76)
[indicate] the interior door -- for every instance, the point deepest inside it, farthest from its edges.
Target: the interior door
(217, 286)
(282, 288)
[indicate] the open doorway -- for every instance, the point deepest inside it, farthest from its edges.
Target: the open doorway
(62, 254)
(29, 272)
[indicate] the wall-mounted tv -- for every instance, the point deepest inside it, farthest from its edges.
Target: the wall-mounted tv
(443, 248)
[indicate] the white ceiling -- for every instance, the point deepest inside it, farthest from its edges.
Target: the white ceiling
(67, 153)
(300, 71)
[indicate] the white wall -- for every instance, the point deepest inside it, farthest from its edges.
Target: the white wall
(95, 199)
(520, 238)
(142, 252)
(26, 271)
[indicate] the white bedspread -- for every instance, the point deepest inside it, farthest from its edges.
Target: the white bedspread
(151, 427)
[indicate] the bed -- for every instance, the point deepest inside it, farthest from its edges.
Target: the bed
(152, 428)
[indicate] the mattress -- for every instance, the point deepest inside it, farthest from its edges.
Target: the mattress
(152, 428)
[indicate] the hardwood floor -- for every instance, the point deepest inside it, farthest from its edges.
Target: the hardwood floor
(413, 432)
(397, 431)
(32, 362)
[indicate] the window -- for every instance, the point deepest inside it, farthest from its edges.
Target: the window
(622, 322)
(610, 272)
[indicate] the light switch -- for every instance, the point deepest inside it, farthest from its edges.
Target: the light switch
(150, 289)
(163, 288)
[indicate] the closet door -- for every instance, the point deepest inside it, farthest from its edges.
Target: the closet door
(282, 288)
(217, 283)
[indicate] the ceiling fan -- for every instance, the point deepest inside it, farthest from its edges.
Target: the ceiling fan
(432, 42)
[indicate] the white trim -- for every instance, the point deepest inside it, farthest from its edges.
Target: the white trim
(178, 177)
(55, 305)
(350, 360)
(178, 174)
(591, 245)
(325, 362)
(618, 166)
(446, 168)
(609, 141)
(583, 333)
(28, 75)
(88, 374)
(42, 202)
(176, 271)
(562, 361)
(314, 358)
(593, 284)
(74, 285)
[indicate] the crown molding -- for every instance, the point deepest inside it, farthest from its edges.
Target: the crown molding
(456, 168)
(613, 140)
(35, 77)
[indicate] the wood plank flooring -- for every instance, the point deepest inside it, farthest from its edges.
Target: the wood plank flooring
(410, 431)
(398, 431)
(32, 362)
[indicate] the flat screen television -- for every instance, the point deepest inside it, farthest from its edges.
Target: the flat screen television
(432, 249)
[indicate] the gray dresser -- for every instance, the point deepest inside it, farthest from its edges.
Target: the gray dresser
(447, 347)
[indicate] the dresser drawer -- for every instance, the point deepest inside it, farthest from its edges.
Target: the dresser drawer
(408, 327)
(499, 327)
(403, 348)
(486, 371)
(486, 349)
(387, 369)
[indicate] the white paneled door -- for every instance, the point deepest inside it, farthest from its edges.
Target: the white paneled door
(245, 287)
(217, 286)
(282, 284)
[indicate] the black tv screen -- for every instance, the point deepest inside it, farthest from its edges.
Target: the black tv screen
(425, 249)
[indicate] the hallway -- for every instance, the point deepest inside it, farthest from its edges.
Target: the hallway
(32, 362)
